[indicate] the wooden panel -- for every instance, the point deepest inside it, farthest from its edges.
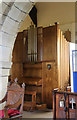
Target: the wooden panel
(65, 83)
(38, 89)
(68, 62)
(33, 73)
(16, 71)
(65, 105)
(59, 58)
(18, 49)
(41, 106)
(28, 96)
(60, 113)
(72, 111)
(25, 45)
(63, 80)
(40, 43)
(32, 80)
(49, 82)
(63, 61)
(32, 70)
(50, 43)
(33, 66)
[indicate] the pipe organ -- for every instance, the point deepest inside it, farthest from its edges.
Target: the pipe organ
(32, 43)
(42, 63)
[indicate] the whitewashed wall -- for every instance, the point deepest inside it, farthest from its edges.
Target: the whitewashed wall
(12, 15)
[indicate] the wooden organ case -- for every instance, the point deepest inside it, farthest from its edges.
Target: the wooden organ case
(49, 70)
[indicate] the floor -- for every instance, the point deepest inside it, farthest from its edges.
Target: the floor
(38, 114)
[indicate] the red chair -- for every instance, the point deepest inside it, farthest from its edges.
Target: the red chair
(14, 101)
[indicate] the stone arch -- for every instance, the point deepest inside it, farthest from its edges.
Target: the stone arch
(12, 15)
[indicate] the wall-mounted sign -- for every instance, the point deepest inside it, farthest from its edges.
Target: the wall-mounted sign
(49, 66)
(61, 103)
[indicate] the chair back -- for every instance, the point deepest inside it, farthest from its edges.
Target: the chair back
(15, 95)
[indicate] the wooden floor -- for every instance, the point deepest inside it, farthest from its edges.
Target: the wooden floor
(38, 114)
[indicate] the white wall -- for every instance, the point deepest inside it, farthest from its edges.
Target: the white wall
(51, 12)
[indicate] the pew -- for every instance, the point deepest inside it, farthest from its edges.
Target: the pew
(64, 105)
